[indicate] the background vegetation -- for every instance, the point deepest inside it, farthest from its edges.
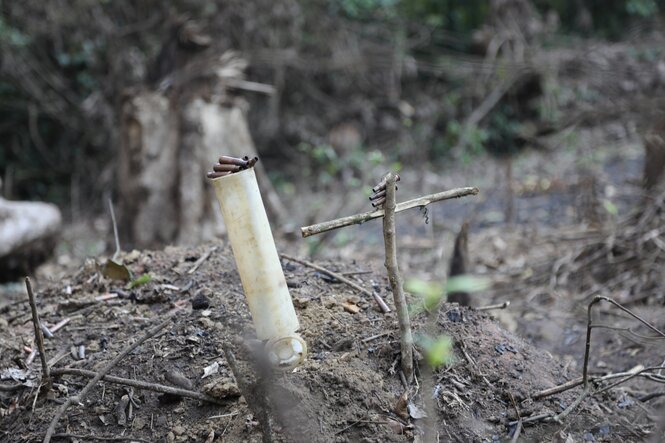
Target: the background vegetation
(66, 64)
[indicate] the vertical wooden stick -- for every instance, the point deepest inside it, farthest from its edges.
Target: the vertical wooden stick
(406, 338)
(39, 338)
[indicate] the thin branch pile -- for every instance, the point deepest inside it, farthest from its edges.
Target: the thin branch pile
(626, 257)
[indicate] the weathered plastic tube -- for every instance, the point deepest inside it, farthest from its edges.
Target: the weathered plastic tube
(259, 267)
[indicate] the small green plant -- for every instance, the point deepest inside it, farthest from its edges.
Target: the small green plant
(438, 350)
(143, 279)
(610, 207)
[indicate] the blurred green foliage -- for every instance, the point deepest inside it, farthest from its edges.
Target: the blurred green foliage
(453, 15)
(608, 18)
(12, 36)
(327, 164)
(432, 294)
(66, 65)
(143, 279)
(438, 350)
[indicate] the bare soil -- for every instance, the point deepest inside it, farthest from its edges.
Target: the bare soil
(347, 390)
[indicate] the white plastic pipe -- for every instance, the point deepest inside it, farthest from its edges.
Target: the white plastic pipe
(259, 267)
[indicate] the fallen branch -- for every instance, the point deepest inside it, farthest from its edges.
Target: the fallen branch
(39, 337)
(306, 231)
(629, 376)
(644, 372)
(585, 369)
(92, 383)
(590, 326)
(377, 298)
(351, 425)
(558, 389)
(163, 389)
(249, 86)
(406, 338)
(60, 324)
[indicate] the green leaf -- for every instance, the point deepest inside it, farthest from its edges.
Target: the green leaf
(611, 208)
(431, 293)
(423, 288)
(145, 278)
(467, 283)
(438, 351)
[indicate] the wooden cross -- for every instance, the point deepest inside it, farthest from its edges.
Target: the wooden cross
(388, 214)
(356, 219)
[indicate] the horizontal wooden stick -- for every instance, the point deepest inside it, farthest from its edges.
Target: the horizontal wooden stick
(557, 389)
(306, 231)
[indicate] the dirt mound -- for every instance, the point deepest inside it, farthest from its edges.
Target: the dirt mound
(347, 390)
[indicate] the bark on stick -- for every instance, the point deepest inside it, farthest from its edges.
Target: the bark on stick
(406, 338)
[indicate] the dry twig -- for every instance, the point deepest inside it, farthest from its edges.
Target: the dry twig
(377, 298)
(503, 305)
(141, 385)
(587, 391)
(201, 259)
(644, 372)
(406, 338)
(590, 326)
(558, 389)
(518, 431)
(39, 337)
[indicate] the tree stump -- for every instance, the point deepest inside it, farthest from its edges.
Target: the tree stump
(171, 134)
(148, 171)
